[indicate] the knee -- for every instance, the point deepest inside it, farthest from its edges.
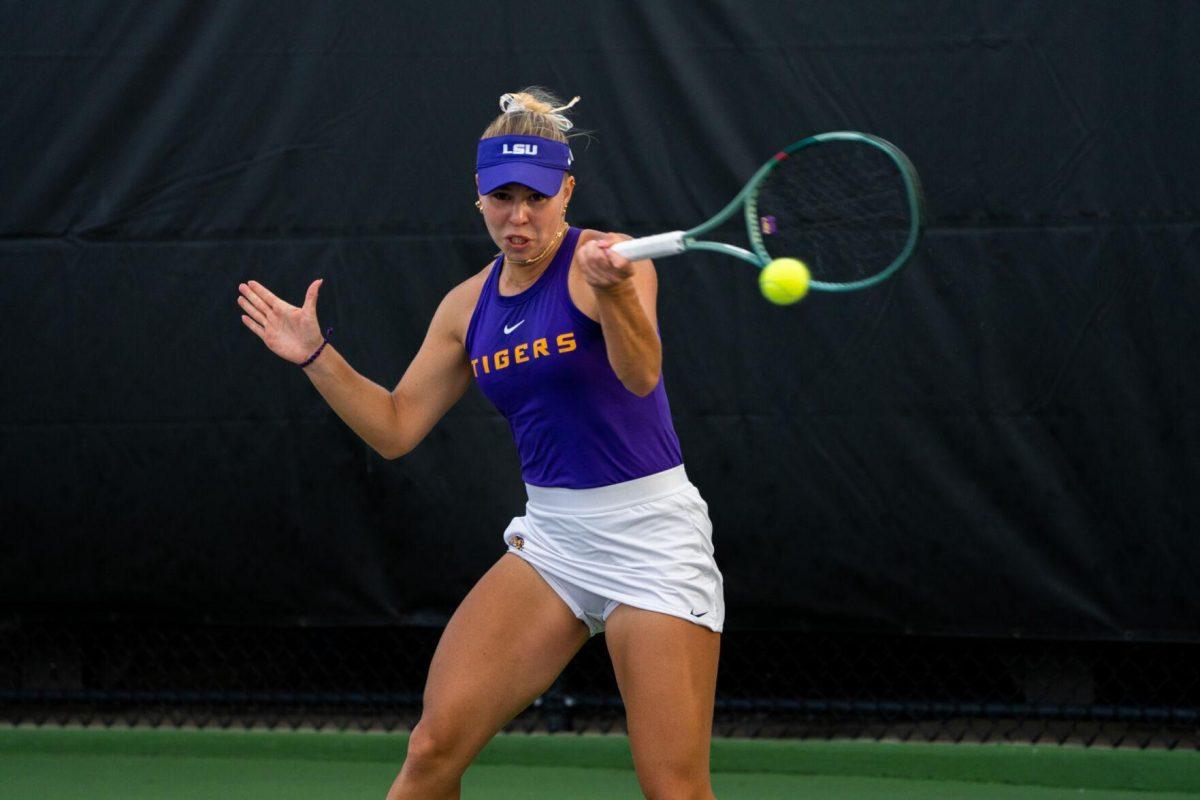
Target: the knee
(431, 750)
(676, 783)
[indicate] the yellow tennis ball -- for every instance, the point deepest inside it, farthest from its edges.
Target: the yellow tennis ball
(784, 281)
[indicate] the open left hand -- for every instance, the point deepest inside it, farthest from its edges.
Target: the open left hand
(289, 332)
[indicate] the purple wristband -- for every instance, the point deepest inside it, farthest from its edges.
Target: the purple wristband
(313, 357)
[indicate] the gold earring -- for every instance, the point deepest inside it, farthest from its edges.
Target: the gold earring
(479, 205)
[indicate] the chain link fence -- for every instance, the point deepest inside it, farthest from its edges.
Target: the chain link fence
(771, 684)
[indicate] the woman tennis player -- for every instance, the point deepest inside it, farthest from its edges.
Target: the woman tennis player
(561, 334)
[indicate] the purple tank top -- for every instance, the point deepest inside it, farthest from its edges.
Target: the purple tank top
(543, 364)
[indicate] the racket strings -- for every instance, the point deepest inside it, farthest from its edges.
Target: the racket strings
(841, 207)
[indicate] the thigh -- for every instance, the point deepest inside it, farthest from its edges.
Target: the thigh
(666, 669)
(507, 642)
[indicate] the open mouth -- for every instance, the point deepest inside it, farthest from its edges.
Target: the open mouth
(517, 241)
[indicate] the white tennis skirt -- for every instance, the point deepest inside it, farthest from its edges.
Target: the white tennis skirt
(645, 543)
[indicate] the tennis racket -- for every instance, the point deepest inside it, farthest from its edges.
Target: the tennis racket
(847, 204)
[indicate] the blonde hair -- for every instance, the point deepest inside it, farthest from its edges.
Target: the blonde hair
(533, 111)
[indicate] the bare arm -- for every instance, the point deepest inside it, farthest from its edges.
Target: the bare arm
(392, 423)
(437, 377)
(626, 296)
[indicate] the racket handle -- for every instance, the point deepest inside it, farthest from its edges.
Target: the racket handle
(656, 246)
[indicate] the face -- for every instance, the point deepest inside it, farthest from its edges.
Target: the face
(522, 222)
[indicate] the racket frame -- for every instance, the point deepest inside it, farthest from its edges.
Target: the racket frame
(675, 242)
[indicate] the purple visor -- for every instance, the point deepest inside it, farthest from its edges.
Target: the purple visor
(528, 160)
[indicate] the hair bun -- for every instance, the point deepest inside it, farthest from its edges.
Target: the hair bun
(524, 102)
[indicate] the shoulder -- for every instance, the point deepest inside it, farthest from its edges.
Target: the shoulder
(467, 292)
(453, 315)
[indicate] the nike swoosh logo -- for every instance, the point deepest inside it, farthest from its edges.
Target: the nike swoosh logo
(694, 614)
(508, 330)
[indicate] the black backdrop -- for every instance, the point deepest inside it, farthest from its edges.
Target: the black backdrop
(1002, 440)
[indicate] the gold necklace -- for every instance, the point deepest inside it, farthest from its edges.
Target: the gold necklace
(526, 262)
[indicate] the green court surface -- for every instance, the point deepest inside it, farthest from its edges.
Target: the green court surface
(53, 763)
